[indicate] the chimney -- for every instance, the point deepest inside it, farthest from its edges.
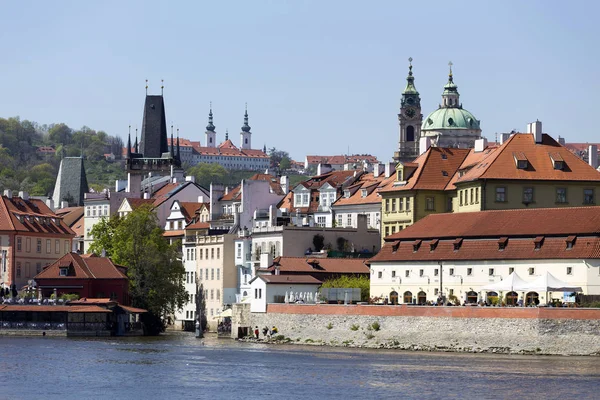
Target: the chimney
(8, 193)
(146, 195)
(284, 181)
(266, 260)
(377, 170)
(24, 195)
(323, 169)
(593, 156)
(480, 145)
(535, 128)
(226, 189)
(561, 141)
(190, 178)
(390, 168)
(50, 203)
(504, 137)
(424, 144)
(277, 270)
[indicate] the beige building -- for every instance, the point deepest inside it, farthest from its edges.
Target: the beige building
(215, 259)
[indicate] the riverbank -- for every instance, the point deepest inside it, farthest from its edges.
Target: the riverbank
(443, 329)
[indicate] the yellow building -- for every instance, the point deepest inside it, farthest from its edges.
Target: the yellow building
(529, 170)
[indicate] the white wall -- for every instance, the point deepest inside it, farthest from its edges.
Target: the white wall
(270, 291)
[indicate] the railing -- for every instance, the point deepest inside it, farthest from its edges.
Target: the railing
(47, 326)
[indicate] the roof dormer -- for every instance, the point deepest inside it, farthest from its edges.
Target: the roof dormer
(557, 161)
(520, 160)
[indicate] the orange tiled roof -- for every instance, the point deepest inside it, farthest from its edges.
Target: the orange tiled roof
(135, 202)
(509, 223)
(78, 226)
(173, 233)
(188, 209)
(31, 215)
(78, 309)
(342, 159)
(287, 279)
(324, 265)
(89, 267)
(198, 225)
(501, 163)
(371, 185)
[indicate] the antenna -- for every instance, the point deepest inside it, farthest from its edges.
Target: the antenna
(146, 87)
(162, 86)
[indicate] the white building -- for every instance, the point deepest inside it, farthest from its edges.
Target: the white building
(267, 289)
(456, 255)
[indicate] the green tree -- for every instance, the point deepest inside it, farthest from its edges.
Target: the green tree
(277, 157)
(208, 173)
(351, 281)
(156, 275)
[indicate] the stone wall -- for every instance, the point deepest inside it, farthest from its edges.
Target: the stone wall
(467, 329)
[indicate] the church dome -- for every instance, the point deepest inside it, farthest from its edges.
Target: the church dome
(450, 118)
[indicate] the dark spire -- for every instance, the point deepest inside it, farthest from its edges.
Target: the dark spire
(410, 80)
(136, 141)
(172, 144)
(246, 127)
(178, 153)
(265, 149)
(129, 143)
(153, 142)
(210, 127)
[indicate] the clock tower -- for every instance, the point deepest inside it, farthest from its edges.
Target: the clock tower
(410, 119)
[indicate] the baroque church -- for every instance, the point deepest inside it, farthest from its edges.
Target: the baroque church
(448, 126)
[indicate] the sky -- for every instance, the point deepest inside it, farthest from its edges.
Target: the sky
(319, 77)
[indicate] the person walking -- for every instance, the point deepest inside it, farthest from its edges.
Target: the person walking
(256, 331)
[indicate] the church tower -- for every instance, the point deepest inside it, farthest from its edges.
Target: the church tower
(211, 135)
(409, 119)
(246, 135)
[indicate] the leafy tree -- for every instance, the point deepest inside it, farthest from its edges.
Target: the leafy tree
(351, 281)
(318, 242)
(285, 163)
(278, 157)
(208, 173)
(60, 133)
(201, 307)
(156, 275)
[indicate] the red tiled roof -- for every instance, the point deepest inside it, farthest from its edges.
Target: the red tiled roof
(368, 183)
(324, 265)
(133, 310)
(173, 233)
(510, 223)
(182, 142)
(286, 279)
(31, 215)
(435, 170)
(233, 194)
(342, 159)
(89, 267)
(228, 144)
(198, 225)
(135, 203)
(501, 164)
(485, 249)
(85, 309)
(78, 226)
(188, 209)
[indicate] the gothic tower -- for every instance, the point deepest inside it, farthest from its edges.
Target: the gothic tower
(410, 119)
(211, 135)
(246, 135)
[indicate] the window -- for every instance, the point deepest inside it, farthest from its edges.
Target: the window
(393, 229)
(48, 246)
(4, 260)
(408, 204)
(218, 274)
(368, 220)
(471, 195)
(218, 253)
(461, 197)
(218, 294)
(212, 253)
(522, 164)
(340, 219)
(363, 193)
(212, 294)
(491, 272)
(588, 196)
(387, 205)
(393, 274)
(19, 244)
(531, 271)
(28, 244)
(451, 271)
(322, 221)
(469, 271)
(206, 275)
(201, 252)
(527, 195)
(18, 269)
(436, 272)
(569, 270)
(561, 195)
(379, 275)
(430, 204)
(57, 246)
(477, 195)
(510, 270)
(500, 194)
(239, 250)
(421, 272)
(407, 273)
(212, 274)
(67, 246)
(39, 246)
(387, 231)
(349, 221)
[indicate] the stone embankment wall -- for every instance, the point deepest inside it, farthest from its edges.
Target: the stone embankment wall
(465, 329)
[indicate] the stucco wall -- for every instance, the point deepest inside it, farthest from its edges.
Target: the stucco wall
(469, 329)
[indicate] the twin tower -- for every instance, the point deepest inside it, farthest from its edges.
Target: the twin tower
(448, 126)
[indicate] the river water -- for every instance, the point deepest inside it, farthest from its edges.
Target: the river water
(177, 366)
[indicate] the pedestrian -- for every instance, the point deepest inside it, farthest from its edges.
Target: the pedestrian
(256, 331)
(265, 331)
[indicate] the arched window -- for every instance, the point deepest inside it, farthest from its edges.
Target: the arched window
(246, 140)
(472, 297)
(532, 299)
(421, 297)
(410, 133)
(407, 297)
(511, 298)
(394, 297)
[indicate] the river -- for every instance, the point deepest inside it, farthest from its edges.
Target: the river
(177, 365)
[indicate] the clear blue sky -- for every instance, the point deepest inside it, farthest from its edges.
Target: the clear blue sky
(319, 76)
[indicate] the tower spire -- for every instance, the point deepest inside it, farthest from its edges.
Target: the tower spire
(136, 141)
(172, 143)
(246, 127)
(450, 96)
(226, 134)
(162, 86)
(210, 127)
(450, 79)
(129, 143)
(146, 87)
(178, 153)
(410, 80)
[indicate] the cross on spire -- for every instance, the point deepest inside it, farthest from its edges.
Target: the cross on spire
(162, 86)
(410, 66)
(146, 87)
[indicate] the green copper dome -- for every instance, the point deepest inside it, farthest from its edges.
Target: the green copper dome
(450, 118)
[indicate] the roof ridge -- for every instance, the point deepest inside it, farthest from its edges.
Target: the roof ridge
(79, 260)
